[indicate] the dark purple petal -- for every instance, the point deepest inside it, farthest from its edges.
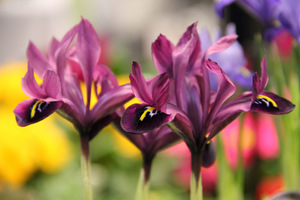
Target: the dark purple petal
(209, 154)
(139, 85)
(271, 103)
(33, 110)
(162, 50)
(141, 118)
(38, 61)
(230, 111)
(88, 52)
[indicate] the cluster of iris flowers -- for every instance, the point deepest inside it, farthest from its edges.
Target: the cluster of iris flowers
(179, 103)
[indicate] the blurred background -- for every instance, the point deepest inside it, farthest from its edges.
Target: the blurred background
(42, 161)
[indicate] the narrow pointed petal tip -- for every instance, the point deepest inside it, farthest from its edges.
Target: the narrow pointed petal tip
(33, 110)
(141, 118)
(268, 102)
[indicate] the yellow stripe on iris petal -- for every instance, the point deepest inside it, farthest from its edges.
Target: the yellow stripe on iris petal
(268, 99)
(149, 109)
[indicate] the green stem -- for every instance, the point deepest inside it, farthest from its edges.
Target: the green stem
(85, 167)
(143, 183)
(142, 187)
(196, 183)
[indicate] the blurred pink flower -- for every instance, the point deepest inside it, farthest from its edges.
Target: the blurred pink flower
(267, 145)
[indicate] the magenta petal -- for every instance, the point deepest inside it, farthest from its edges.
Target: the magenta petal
(51, 85)
(88, 51)
(229, 112)
(225, 88)
(30, 86)
(38, 61)
(137, 119)
(32, 110)
(222, 44)
(110, 101)
(160, 92)
(264, 75)
(184, 55)
(162, 50)
(139, 85)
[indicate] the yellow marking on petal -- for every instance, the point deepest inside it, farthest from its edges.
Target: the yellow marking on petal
(33, 109)
(268, 99)
(149, 109)
(208, 142)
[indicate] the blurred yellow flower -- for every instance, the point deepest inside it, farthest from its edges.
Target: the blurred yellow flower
(24, 150)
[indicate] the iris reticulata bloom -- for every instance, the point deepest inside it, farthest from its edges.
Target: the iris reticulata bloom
(61, 88)
(193, 110)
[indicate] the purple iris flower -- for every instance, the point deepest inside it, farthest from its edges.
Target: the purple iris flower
(193, 110)
(290, 18)
(234, 68)
(61, 88)
(265, 11)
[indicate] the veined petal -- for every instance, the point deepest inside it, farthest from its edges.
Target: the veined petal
(160, 92)
(162, 50)
(186, 52)
(268, 102)
(139, 85)
(225, 88)
(37, 60)
(88, 52)
(141, 118)
(51, 85)
(33, 110)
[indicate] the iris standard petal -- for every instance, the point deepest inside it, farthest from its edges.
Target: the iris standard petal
(225, 89)
(30, 86)
(268, 102)
(141, 118)
(139, 85)
(160, 91)
(162, 50)
(33, 110)
(183, 54)
(88, 50)
(38, 61)
(51, 85)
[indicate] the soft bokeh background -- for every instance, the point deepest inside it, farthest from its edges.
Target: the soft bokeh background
(42, 162)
